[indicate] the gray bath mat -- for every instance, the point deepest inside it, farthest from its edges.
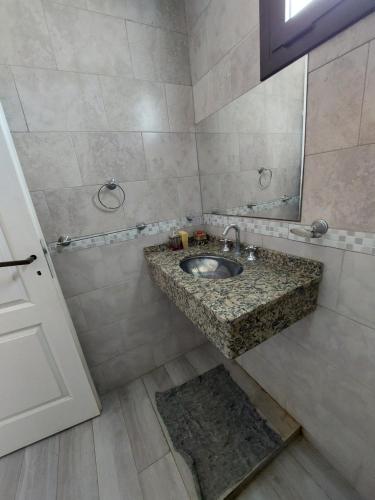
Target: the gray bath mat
(217, 430)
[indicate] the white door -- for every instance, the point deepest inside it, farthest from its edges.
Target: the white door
(45, 385)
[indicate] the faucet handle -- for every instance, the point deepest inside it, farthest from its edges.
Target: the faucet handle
(227, 244)
(252, 252)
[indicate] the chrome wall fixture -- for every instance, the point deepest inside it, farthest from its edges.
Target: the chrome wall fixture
(318, 229)
(111, 185)
(65, 241)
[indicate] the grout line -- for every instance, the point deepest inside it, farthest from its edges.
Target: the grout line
(123, 18)
(340, 55)
(19, 100)
(103, 75)
(95, 458)
(129, 48)
(363, 94)
(57, 465)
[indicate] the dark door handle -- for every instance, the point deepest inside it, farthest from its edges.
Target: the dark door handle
(24, 262)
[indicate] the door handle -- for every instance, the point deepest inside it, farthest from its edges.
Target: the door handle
(24, 262)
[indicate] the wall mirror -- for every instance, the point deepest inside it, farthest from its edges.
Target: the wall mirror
(251, 151)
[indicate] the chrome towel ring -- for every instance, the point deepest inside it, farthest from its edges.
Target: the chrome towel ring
(111, 185)
(265, 178)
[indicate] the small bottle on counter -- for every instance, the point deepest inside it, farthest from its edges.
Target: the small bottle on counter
(184, 239)
(175, 241)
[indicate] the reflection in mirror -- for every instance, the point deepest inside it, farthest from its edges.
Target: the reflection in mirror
(251, 151)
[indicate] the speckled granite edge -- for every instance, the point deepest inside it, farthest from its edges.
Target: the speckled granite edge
(251, 322)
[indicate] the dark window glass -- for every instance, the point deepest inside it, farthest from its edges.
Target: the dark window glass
(291, 28)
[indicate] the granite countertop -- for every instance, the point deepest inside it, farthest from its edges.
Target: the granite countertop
(274, 291)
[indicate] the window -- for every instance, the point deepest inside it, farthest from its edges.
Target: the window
(291, 28)
(292, 7)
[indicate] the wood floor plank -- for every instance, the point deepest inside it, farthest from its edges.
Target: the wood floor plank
(202, 358)
(290, 480)
(158, 381)
(10, 470)
(180, 370)
(260, 489)
(161, 481)
(38, 479)
(77, 474)
(336, 487)
(146, 436)
(117, 473)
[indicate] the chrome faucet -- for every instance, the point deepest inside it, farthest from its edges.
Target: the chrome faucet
(237, 245)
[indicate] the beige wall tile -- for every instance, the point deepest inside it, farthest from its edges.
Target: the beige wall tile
(139, 203)
(357, 288)
(115, 8)
(194, 9)
(245, 62)
(10, 101)
(166, 14)
(76, 211)
(218, 153)
(101, 345)
(88, 42)
(338, 187)
(48, 160)
(164, 198)
(24, 38)
(148, 328)
(354, 36)
(135, 105)
(122, 369)
(332, 259)
(189, 196)
(211, 192)
(59, 101)
(86, 270)
(170, 155)
(159, 55)
(339, 340)
(202, 99)
(81, 4)
(103, 155)
(220, 84)
(198, 49)
(79, 319)
(225, 27)
(335, 102)
(368, 113)
(180, 108)
(107, 305)
(46, 221)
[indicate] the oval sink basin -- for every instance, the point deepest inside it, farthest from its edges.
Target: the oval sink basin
(210, 266)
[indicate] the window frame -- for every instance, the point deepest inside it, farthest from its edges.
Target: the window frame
(282, 42)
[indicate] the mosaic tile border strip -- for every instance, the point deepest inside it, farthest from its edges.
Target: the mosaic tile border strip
(119, 236)
(353, 241)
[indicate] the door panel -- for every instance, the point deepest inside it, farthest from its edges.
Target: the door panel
(27, 361)
(45, 385)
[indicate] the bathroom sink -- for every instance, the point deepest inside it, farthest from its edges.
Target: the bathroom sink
(211, 266)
